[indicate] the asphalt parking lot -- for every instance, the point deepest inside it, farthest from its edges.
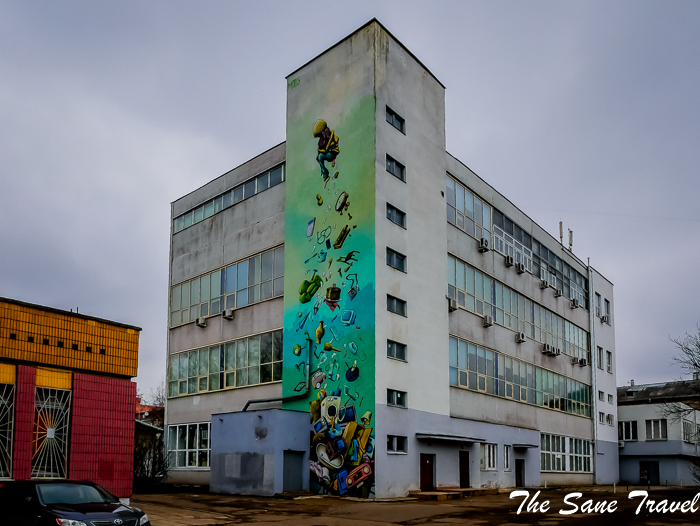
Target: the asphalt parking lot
(193, 509)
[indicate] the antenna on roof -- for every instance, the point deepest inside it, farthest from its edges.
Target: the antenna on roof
(571, 238)
(561, 232)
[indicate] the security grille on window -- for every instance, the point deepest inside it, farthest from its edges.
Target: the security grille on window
(479, 369)
(627, 430)
(483, 295)
(506, 458)
(397, 122)
(687, 431)
(239, 363)
(488, 456)
(608, 361)
(395, 398)
(396, 350)
(395, 260)
(255, 279)
(395, 305)
(396, 444)
(395, 168)
(395, 215)
(656, 429)
(467, 212)
(189, 445)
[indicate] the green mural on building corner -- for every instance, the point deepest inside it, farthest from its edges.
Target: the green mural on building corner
(329, 299)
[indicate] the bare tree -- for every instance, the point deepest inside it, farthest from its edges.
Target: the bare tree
(158, 395)
(688, 358)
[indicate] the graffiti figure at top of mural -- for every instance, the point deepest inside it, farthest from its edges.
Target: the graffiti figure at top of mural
(328, 148)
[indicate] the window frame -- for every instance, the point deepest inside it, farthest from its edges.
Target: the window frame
(392, 211)
(506, 457)
(392, 398)
(608, 361)
(396, 117)
(649, 430)
(396, 441)
(598, 310)
(396, 260)
(176, 450)
(392, 344)
(607, 310)
(600, 356)
(393, 300)
(488, 457)
(393, 166)
(627, 430)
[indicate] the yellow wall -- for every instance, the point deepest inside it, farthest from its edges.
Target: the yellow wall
(120, 344)
(8, 374)
(53, 379)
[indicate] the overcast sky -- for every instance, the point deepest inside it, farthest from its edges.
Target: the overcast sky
(584, 112)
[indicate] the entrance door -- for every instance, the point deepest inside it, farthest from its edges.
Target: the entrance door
(519, 472)
(293, 470)
(464, 469)
(427, 469)
(649, 472)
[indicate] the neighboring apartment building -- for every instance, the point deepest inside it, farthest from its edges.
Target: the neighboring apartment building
(66, 396)
(436, 334)
(658, 432)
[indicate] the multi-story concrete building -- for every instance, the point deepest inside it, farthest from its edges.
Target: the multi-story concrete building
(658, 433)
(437, 335)
(66, 396)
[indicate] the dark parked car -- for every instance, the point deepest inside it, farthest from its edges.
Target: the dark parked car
(66, 503)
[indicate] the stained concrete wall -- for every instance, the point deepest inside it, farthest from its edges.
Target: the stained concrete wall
(247, 450)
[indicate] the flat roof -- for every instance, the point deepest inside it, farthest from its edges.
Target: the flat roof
(68, 313)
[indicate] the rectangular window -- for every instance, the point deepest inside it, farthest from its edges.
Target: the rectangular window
(235, 363)
(597, 305)
(249, 281)
(627, 430)
(607, 310)
(395, 260)
(469, 213)
(189, 445)
(395, 305)
(396, 350)
(395, 168)
(397, 122)
(656, 429)
(556, 450)
(608, 361)
(219, 203)
(600, 360)
(610, 399)
(610, 419)
(488, 457)
(601, 417)
(687, 431)
(396, 444)
(395, 398)
(601, 396)
(506, 458)
(395, 215)
(479, 369)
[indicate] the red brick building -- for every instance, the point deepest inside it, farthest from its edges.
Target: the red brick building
(66, 397)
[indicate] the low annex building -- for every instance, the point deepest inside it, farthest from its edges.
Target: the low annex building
(356, 312)
(66, 396)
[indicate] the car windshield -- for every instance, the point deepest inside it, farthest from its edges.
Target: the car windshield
(71, 494)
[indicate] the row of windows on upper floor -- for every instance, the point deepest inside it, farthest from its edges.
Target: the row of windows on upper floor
(243, 191)
(248, 281)
(483, 295)
(471, 214)
(480, 369)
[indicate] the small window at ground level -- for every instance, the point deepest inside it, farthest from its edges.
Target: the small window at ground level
(488, 456)
(396, 444)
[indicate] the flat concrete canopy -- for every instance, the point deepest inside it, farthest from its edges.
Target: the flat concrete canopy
(448, 438)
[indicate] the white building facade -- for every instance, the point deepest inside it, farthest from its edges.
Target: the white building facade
(432, 334)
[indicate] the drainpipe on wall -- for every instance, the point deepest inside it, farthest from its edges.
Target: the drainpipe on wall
(594, 368)
(291, 397)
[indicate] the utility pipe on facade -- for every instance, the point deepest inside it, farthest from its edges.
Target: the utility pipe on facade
(594, 365)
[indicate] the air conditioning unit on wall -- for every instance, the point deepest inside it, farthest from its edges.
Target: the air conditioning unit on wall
(509, 261)
(487, 320)
(520, 337)
(452, 304)
(201, 322)
(544, 284)
(227, 314)
(483, 245)
(575, 304)
(520, 268)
